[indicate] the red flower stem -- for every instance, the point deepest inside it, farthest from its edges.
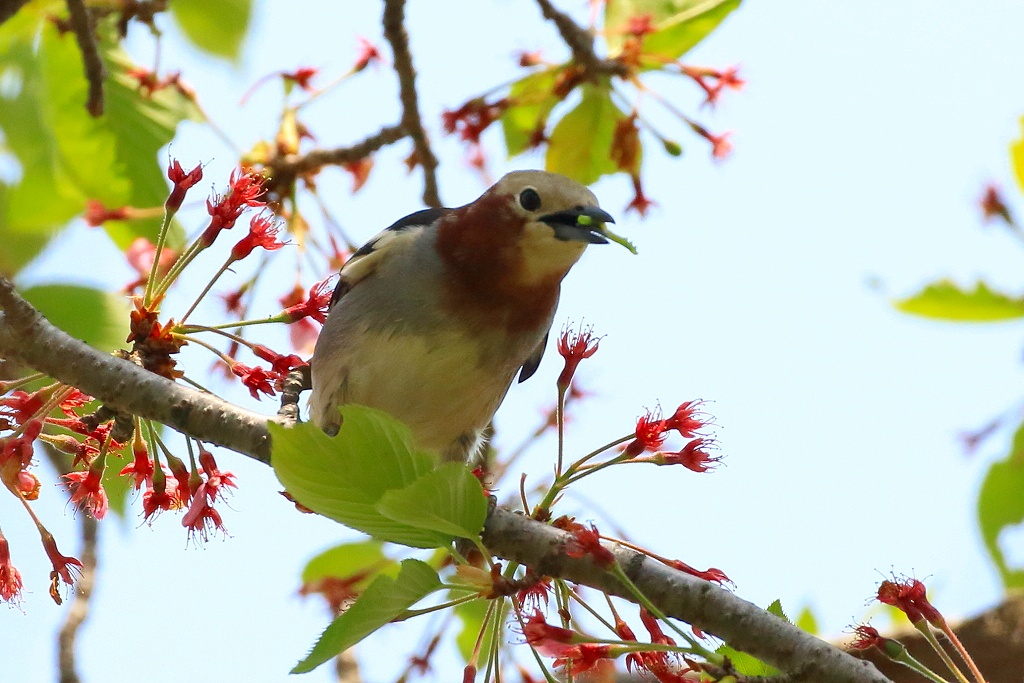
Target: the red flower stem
(206, 290)
(926, 630)
(560, 424)
(962, 651)
(161, 241)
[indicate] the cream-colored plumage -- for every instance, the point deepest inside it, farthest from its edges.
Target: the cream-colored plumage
(433, 318)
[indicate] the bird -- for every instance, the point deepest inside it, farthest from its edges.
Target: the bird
(433, 318)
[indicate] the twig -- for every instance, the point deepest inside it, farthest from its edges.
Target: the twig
(581, 43)
(79, 610)
(27, 336)
(91, 60)
(394, 32)
(283, 170)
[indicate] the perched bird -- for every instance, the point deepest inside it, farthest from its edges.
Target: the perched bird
(433, 318)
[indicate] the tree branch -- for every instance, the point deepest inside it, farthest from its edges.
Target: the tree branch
(26, 336)
(8, 8)
(394, 32)
(581, 43)
(81, 23)
(79, 610)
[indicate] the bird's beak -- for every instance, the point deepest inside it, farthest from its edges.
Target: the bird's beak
(585, 224)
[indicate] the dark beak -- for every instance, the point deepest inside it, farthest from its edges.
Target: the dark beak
(582, 224)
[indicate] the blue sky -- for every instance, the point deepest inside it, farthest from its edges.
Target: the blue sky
(862, 141)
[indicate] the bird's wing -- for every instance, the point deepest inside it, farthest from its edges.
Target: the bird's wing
(533, 362)
(368, 257)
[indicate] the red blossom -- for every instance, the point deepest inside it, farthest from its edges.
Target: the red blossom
(527, 58)
(28, 485)
(75, 399)
(338, 591)
(315, 304)
(658, 636)
(685, 420)
(182, 182)
(586, 541)
(21, 406)
(217, 481)
(536, 595)
(712, 574)
(993, 206)
(279, 363)
(96, 214)
(141, 468)
(651, 432)
(910, 597)
(368, 54)
(540, 634)
(640, 203)
(639, 25)
(202, 519)
(87, 489)
(64, 567)
(182, 488)
(162, 496)
(233, 300)
(693, 456)
(301, 77)
(19, 448)
(10, 577)
(720, 145)
(728, 78)
(866, 637)
(574, 346)
(245, 187)
(360, 171)
(262, 233)
(256, 379)
(593, 657)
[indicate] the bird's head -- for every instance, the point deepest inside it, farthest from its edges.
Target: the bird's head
(531, 223)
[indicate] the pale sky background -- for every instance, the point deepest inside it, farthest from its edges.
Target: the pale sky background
(863, 139)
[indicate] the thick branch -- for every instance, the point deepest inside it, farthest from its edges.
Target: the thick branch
(79, 610)
(27, 336)
(81, 23)
(394, 32)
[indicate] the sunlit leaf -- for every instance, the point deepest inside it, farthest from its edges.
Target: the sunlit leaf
(1017, 157)
(1000, 508)
(216, 26)
(532, 99)
(448, 500)
(580, 145)
(348, 559)
(344, 477)
(678, 24)
(384, 599)
(807, 621)
(945, 300)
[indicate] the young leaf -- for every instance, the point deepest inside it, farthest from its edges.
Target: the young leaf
(344, 477)
(448, 500)
(580, 145)
(532, 99)
(1001, 506)
(348, 559)
(945, 300)
(679, 24)
(380, 603)
(216, 27)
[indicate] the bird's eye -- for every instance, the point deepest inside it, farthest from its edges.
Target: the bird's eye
(529, 199)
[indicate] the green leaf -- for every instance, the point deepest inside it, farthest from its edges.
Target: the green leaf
(344, 477)
(1001, 506)
(1017, 157)
(679, 24)
(116, 486)
(945, 300)
(348, 559)
(776, 609)
(384, 600)
(533, 97)
(216, 26)
(580, 145)
(448, 500)
(98, 318)
(67, 156)
(807, 621)
(746, 665)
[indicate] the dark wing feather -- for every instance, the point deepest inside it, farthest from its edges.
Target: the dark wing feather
(358, 267)
(533, 362)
